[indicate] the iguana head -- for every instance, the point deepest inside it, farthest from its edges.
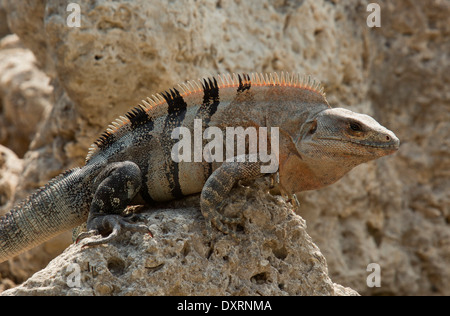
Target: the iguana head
(342, 135)
(331, 143)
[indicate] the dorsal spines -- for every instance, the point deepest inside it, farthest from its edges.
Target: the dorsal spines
(174, 98)
(245, 83)
(138, 116)
(174, 101)
(210, 90)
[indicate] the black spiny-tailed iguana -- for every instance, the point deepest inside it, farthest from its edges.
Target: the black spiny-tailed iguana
(132, 160)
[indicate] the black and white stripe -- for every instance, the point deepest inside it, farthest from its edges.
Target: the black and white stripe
(176, 111)
(211, 100)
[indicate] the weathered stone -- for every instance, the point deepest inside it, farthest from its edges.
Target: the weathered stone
(394, 211)
(273, 256)
(10, 169)
(25, 94)
(4, 29)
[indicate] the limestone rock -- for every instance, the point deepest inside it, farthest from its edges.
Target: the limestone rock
(273, 256)
(25, 94)
(4, 29)
(125, 51)
(394, 211)
(10, 169)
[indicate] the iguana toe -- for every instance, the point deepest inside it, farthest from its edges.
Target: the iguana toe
(111, 227)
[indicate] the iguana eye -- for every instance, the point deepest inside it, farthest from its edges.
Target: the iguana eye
(313, 128)
(356, 127)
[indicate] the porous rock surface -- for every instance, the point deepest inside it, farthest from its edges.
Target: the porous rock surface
(25, 94)
(10, 169)
(394, 211)
(273, 256)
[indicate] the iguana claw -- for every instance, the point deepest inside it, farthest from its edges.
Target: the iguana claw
(111, 226)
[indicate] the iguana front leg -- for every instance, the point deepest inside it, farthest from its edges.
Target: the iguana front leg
(217, 187)
(118, 185)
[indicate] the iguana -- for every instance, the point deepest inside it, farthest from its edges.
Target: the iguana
(131, 162)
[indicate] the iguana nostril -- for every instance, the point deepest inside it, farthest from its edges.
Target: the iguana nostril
(388, 138)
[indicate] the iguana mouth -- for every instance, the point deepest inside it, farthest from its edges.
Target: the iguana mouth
(393, 144)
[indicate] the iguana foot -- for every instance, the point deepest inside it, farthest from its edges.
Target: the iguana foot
(217, 187)
(111, 226)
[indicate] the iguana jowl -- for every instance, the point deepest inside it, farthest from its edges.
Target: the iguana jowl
(132, 161)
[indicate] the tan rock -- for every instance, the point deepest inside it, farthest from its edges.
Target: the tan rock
(25, 94)
(394, 212)
(10, 169)
(4, 29)
(274, 256)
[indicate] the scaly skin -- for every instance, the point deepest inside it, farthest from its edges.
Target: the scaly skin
(59, 206)
(131, 162)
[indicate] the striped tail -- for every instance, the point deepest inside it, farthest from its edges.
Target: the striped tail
(61, 205)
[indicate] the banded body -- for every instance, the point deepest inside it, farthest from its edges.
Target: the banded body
(144, 135)
(133, 161)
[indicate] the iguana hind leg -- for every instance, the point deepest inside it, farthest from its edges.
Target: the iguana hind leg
(119, 183)
(217, 187)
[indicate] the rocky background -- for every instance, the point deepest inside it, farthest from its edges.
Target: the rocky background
(60, 87)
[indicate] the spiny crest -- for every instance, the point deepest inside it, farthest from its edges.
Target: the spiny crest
(134, 118)
(174, 98)
(174, 101)
(244, 82)
(210, 87)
